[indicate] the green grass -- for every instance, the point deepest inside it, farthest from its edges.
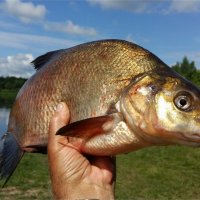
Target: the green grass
(164, 173)
(29, 181)
(159, 173)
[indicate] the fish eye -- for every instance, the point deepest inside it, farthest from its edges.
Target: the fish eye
(183, 101)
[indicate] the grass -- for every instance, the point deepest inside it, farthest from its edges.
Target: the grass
(150, 174)
(159, 173)
(29, 181)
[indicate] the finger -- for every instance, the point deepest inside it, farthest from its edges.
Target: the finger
(59, 119)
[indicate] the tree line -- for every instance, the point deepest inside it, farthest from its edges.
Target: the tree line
(11, 83)
(186, 68)
(9, 87)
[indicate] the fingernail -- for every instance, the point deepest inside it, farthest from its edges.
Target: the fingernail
(59, 107)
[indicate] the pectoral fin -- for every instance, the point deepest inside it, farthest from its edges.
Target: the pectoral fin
(103, 136)
(90, 127)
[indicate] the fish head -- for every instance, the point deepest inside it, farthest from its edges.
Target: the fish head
(163, 109)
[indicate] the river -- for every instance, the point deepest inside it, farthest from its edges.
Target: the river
(4, 114)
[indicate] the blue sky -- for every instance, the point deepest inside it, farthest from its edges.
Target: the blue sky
(168, 28)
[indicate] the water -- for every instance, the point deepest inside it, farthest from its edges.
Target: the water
(4, 114)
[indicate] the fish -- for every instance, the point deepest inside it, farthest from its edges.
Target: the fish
(121, 98)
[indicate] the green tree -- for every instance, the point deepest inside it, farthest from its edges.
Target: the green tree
(185, 68)
(188, 70)
(11, 83)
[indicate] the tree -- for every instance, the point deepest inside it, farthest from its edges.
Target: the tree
(185, 68)
(188, 70)
(11, 83)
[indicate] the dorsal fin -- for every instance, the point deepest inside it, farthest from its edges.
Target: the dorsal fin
(43, 59)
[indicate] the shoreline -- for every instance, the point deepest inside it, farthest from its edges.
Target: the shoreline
(7, 97)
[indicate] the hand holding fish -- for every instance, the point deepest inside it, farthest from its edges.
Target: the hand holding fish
(74, 176)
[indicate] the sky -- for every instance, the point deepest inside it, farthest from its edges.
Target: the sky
(28, 28)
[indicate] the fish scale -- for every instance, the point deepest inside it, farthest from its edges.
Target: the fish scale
(85, 66)
(91, 79)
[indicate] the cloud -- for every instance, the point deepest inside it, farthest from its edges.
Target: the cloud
(17, 65)
(146, 6)
(135, 6)
(28, 12)
(25, 11)
(184, 6)
(30, 42)
(70, 28)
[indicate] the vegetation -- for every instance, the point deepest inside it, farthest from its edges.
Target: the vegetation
(188, 70)
(11, 83)
(9, 86)
(157, 173)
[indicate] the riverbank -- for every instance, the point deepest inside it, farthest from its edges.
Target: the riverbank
(7, 97)
(9, 87)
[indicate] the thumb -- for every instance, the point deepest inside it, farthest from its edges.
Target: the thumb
(59, 119)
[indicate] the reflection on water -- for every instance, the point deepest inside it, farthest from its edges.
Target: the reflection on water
(4, 114)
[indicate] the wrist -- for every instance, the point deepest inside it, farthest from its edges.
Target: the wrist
(84, 191)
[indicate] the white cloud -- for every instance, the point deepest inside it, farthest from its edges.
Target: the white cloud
(135, 6)
(184, 6)
(146, 6)
(32, 42)
(70, 28)
(17, 65)
(25, 11)
(28, 12)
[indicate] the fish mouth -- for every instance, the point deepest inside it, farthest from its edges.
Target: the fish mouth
(193, 140)
(193, 137)
(196, 135)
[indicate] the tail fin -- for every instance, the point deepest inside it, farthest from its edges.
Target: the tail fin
(10, 155)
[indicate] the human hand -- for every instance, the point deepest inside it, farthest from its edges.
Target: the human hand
(73, 175)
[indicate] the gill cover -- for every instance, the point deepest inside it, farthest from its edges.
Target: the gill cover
(163, 109)
(138, 106)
